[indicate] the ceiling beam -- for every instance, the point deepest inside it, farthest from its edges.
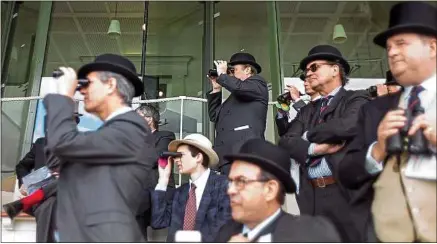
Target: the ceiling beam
(119, 44)
(79, 28)
(360, 41)
(333, 19)
(136, 15)
(290, 28)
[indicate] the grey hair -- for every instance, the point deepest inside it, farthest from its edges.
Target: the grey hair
(343, 76)
(252, 69)
(150, 110)
(124, 87)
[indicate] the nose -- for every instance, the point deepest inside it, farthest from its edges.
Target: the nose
(392, 51)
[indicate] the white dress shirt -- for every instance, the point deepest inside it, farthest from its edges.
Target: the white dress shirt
(119, 111)
(418, 166)
(254, 232)
(200, 186)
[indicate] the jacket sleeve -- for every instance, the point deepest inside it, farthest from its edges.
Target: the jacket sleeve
(162, 205)
(339, 129)
(292, 141)
(214, 103)
(281, 124)
(110, 144)
(250, 89)
(298, 105)
(25, 166)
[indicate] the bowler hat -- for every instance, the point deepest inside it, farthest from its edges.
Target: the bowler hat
(245, 58)
(117, 64)
(325, 52)
(268, 157)
(409, 17)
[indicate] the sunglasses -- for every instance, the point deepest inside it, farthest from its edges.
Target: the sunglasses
(314, 67)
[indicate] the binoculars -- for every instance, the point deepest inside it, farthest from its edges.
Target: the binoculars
(401, 142)
(170, 154)
(81, 82)
(213, 72)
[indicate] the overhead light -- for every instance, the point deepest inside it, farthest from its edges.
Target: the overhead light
(114, 29)
(339, 35)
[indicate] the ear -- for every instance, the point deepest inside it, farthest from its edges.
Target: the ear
(433, 47)
(271, 190)
(112, 85)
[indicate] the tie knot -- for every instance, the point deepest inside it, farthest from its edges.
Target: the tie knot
(326, 99)
(417, 89)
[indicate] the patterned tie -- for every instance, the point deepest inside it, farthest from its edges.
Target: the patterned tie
(325, 101)
(190, 209)
(414, 101)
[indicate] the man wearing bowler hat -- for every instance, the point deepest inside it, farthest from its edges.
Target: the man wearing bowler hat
(316, 137)
(243, 115)
(400, 188)
(258, 180)
(102, 172)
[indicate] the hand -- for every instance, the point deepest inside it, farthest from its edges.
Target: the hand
(164, 173)
(389, 126)
(238, 238)
(216, 87)
(23, 190)
(294, 92)
(56, 174)
(381, 90)
(428, 128)
(325, 148)
(222, 66)
(67, 83)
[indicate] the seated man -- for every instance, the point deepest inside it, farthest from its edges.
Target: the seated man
(258, 180)
(199, 205)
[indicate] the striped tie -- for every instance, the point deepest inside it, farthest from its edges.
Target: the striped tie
(414, 101)
(190, 209)
(325, 101)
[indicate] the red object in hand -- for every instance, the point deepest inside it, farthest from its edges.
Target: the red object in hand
(162, 162)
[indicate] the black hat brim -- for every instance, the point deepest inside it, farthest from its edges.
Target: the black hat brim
(257, 66)
(106, 66)
(267, 165)
(325, 56)
(381, 38)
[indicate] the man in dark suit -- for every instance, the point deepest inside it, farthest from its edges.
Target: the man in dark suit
(102, 172)
(259, 178)
(282, 116)
(201, 205)
(317, 135)
(410, 41)
(162, 139)
(243, 115)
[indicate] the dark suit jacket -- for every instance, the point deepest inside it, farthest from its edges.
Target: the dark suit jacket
(247, 105)
(162, 139)
(213, 212)
(282, 123)
(290, 228)
(102, 173)
(33, 160)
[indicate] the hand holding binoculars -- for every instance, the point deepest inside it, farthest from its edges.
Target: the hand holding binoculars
(81, 82)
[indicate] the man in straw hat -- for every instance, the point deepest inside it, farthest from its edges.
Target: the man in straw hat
(316, 137)
(400, 186)
(200, 205)
(258, 181)
(244, 113)
(102, 172)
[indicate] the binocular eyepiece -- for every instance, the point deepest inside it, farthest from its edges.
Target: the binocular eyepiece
(401, 142)
(213, 72)
(81, 82)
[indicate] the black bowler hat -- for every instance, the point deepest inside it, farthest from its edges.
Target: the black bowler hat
(409, 17)
(268, 157)
(117, 64)
(325, 52)
(245, 58)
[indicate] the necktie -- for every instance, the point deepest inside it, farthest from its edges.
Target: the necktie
(325, 101)
(190, 209)
(414, 101)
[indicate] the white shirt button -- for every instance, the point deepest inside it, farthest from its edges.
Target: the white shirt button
(415, 210)
(409, 189)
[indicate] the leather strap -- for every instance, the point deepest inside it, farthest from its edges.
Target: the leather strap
(322, 182)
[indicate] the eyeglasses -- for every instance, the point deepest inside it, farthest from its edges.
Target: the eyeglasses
(314, 67)
(240, 183)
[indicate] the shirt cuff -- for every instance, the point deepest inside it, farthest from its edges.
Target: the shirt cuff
(311, 149)
(304, 136)
(372, 166)
(161, 187)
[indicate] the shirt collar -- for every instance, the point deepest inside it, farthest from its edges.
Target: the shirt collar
(202, 180)
(429, 85)
(119, 111)
(254, 232)
(334, 92)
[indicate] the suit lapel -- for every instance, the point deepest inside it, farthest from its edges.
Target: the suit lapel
(204, 202)
(334, 102)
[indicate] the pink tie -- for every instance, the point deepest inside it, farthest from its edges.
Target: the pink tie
(190, 209)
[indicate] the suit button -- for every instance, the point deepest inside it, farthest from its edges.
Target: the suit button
(222, 129)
